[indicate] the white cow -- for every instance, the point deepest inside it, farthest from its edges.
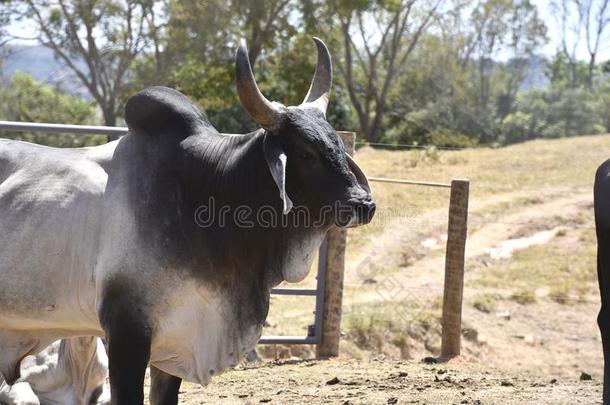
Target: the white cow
(68, 372)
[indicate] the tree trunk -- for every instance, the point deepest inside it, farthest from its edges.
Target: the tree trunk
(573, 74)
(363, 120)
(110, 120)
(256, 34)
(375, 132)
(590, 71)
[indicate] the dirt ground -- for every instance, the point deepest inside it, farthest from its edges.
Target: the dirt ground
(383, 381)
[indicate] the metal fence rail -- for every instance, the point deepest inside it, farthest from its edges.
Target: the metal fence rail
(410, 182)
(61, 128)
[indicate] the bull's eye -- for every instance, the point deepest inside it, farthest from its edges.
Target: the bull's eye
(305, 156)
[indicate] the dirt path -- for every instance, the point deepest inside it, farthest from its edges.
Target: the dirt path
(484, 234)
(425, 276)
(385, 382)
(548, 337)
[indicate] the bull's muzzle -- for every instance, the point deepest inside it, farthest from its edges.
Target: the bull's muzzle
(355, 213)
(364, 212)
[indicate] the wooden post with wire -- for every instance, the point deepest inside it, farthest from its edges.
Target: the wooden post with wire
(454, 269)
(336, 240)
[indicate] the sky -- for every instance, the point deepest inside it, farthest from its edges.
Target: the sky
(554, 35)
(544, 7)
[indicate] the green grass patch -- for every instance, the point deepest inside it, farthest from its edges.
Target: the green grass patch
(565, 269)
(523, 297)
(485, 302)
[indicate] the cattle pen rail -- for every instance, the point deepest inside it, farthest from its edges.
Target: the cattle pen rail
(325, 333)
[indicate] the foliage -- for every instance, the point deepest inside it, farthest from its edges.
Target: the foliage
(26, 100)
(554, 113)
(419, 71)
(96, 40)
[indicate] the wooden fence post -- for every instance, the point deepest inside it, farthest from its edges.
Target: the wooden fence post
(336, 239)
(454, 269)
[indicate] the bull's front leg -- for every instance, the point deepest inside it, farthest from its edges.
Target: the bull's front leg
(164, 388)
(128, 334)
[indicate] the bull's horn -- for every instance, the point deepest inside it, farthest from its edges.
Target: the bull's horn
(263, 111)
(319, 91)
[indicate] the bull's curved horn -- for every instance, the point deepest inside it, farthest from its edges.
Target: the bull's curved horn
(263, 111)
(319, 91)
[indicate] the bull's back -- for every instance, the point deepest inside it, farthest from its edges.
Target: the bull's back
(50, 212)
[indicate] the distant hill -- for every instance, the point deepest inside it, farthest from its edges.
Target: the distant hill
(535, 74)
(40, 62)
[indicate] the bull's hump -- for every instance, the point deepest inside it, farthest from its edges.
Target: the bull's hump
(165, 112)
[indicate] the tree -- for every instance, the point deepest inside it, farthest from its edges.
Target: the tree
(5, 17)
(26, 100)
(510, 26)
(578, 18)
(215, 26)
(197, 50)
(564, 74)
(596, 19)
(457, 81)
(554, 113)
(370, 69)
(570, 23)
(97, 39)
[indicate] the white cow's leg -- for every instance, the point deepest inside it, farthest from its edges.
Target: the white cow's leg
(14, 346)
(70, 371)
(19, 393)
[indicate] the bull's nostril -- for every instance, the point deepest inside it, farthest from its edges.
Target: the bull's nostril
(370, 211)
(361, 213)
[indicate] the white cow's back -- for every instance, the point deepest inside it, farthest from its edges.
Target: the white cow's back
(50, 217)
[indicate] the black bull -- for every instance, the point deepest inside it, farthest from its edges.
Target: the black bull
(602, 227)
(165, 289)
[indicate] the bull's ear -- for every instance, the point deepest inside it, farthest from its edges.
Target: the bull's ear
(359, 174)
(276, 161)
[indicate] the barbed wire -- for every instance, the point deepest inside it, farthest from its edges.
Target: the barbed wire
(505, 296)
(410, 146)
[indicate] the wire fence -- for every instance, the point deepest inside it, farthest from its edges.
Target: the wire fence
(410, 146)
